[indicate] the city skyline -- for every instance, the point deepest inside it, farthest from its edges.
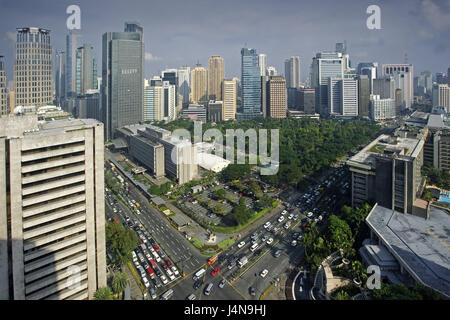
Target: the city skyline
(279, 30)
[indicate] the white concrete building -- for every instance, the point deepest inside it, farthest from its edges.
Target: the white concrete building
(403, 75)
(381, 109)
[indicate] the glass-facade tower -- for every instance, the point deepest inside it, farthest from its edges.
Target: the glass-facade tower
(251, 84)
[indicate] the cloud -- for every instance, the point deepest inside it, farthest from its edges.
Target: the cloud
(436, 16)
(151, 57)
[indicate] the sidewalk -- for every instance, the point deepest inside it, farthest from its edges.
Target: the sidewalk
(136, 293)
(277, 291)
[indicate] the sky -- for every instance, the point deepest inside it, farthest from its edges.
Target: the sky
(184, 32)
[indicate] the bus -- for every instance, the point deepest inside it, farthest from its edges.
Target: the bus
(167, 295)
(198, 274)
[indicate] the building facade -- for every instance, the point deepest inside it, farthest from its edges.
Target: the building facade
(229, 99)
(403, 75)
(441, 96)
(262, 63)
(184, 87)
(51, 209)
(73, 42)
(215, 77)
(85, 69)
(60, 78)
(3, 93)
(292, 72)
(276, 97)
(251, 84)
(382, 109)
(215, 111)
(199, 85)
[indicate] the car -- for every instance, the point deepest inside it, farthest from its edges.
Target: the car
(264, 238)
(267, 224)
(146, 283)
(309, 214)
(156, 247)
(299, 237)
(241, 244)
(222, 283)
(231, 265)
(198, 284)
(252, 291)
(295, 235)
(164, 279)
(264, 273)
(254, 240)
(153, 293)
(208, 289)
(290, 216)
(283, 212)
(152, 241)
(169, 263)
(164, 265)
(287, 225)
(175, 270)
(269, 241)
(295, 218)
(191, 297)
(294, 243)
(162, 254)
(281, 219)
(277, 253)
(254, 235)
(158, 272)
(145, 264)
(215, 271)
(270, 228)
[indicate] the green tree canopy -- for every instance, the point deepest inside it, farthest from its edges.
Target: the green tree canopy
(104, 293)
(119, 283)
(120, 241)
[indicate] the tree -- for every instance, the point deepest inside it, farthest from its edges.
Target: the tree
(220, 194)
(119, 283)
(339, 235)
(154, 189)
(255, 188)
(104, 293)
(235, 171)
(121, 241)
(165, 187)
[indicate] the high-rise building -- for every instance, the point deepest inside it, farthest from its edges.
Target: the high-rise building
(262, 63)
(33, 78)
(384, 87)
(251, 84)
(85, 70)
(215, 77)
(73, 42)
(87, 105)
(3, 93)
(123, 80)
(171, 75)
(271, 71)
(441, 96)
(403, 75)
(370, 70)
(441, 78)
(215, 111)
(364, 85)
(52, 209)
(199, 85)
(60, 78)
(11, 100)
(195, 112)
(343, 96)
(153, 102)
(325, 65)
(292, 72)
(133, 26)
(264, 104)
(425, 82)
(293, 98)
(307, 97)
(276, 97)
(184, 87)
(381, 109)
(169, 101)
(229, 99)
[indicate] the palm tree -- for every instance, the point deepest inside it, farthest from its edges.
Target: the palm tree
(119, 283)
(104, 293)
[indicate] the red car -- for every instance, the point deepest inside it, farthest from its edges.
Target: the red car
(215, 271)
(152, 263)
(150, 272)
(156, 247)
(164, 266)
(169, 263)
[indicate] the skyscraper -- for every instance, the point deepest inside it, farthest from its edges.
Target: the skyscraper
(262, 62)
(184, 87)
(342, 96)
(384, 87)
(199, 85)
(229, 99)
(169, 101)
(403, 75)
(86, 69)
(3, 95)
(370, 70)
(276, 97)
(33, 78)
(271, 71)
(292, 72)
(60, 78)
(215, 77)
(325, 65)
(363, 95)
(73, 42)
(171, 75)
(52, 208)
(153, 101)
(441, 96)
(251, 84)
(122, 80)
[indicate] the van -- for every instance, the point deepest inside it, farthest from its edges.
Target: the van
(208, 289)
(254, 246)
(167, 295)
(199, 273)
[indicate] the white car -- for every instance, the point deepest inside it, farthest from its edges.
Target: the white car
(269, 241)
(283, 212)
(290, 216)
(175, 270)
(281, 219)
(241, 244)
(264, 273)
(267, 224)
(146, 283)
(309, 215)
(170, 274)
(294, 243)
(164, 279)
(264, 238)
(148, 255)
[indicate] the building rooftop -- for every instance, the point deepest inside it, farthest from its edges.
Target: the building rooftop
(435, 121)
(419, 245)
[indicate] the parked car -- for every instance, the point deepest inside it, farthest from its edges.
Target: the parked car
(264, 273)
(281, 219)
(222, 283)
(252, 291)
(198, 284)
(208, 289)
(269, 241)
(191, 297)
(215, 271)
(277, 253)
(241, 244)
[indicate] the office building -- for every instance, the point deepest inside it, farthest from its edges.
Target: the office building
(215, 111)
(293, 98)
(33, 78)
(87, 105)
(229, 99)
(73, 42)
(86, 69)
(215, 77)
(184, 87)
(292, 72)
(171, 76)
(11, 98)
(52, 208)
(324, 66)
(199, 85)
(276, 97)
(153, 100)
(384, 87)
(343, 97)
(262, 63)
(441, 78)
(123, 80)
(60, 78)
(368, 69)
(381, 109)
(264, 104)
(133, 26)
(3, 93)
(424, 83)
(307, 97)
(403, 75)
(195, 112)
(169, 101)
(441, 96)
(364, 89)
(388, 172)
(147, 152)
(271, 71)
(251, 84)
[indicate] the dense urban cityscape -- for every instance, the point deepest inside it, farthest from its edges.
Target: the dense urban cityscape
(192, 185)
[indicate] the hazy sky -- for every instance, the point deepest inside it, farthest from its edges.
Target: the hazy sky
(182, 32)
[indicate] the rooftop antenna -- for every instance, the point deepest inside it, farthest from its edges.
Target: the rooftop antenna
(198, 64)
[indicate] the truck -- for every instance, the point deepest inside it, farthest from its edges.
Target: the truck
(242, 261)
(198, 274)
